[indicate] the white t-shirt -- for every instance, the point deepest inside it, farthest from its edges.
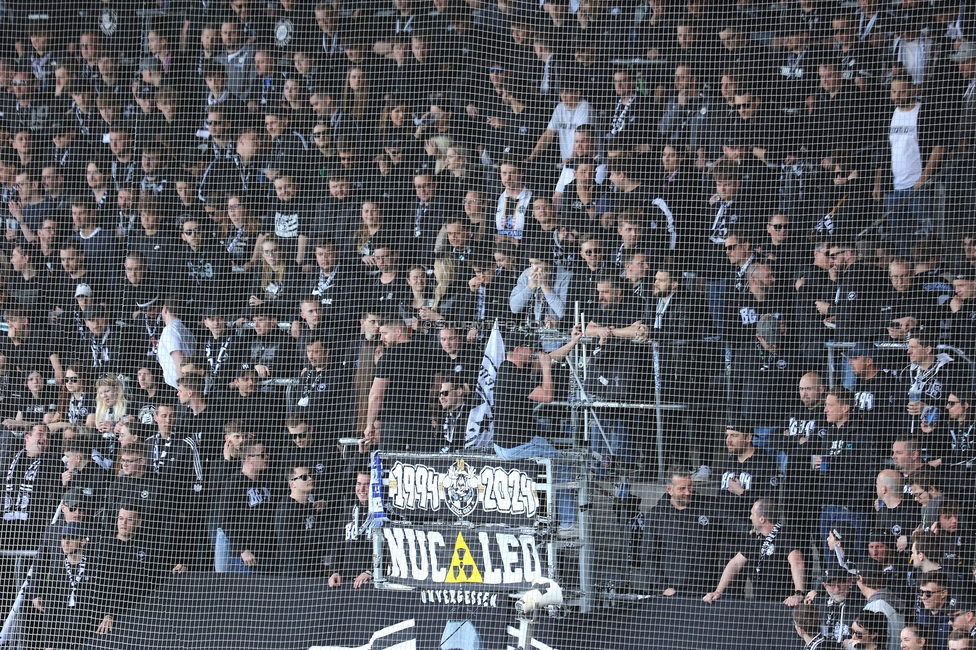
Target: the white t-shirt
(906, 155)
(564, 122)
(568, 175)
(175, 336)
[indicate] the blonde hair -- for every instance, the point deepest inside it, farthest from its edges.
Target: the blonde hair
(363, 235)
(445, 270)
(121, 402)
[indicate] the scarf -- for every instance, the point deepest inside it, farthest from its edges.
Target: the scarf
(15, 507)
(76, 574)
(768, 548)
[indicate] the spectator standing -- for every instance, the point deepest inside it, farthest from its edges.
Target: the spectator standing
(398, 415)
(176, 342)
(32, 490)
(306, 531)
(245, 521)
(679, 526)
(918, 139)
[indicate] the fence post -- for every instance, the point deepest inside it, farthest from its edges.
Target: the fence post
(655, 348)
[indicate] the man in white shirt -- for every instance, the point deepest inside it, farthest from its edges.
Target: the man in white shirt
(571, 112)
(917, 145)
(176, 342)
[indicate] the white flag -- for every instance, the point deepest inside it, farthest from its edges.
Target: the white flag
(481, 421)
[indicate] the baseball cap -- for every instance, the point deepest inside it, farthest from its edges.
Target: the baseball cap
(83, 289)
(74, 498)
(964, 272)
(959, 605)
(73, 529)
(518, 339)
(843, 532)
(861, 350)
(833, 573)
(238, 371)
(95, 311)
(770, 329)
(147, 300)
(966, 51)
(738, 424)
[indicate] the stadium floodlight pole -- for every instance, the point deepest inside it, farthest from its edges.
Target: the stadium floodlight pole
(11, 620)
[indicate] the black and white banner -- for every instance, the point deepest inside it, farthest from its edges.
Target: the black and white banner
(483, 560)
(476, 489)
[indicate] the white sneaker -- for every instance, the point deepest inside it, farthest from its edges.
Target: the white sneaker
(701, 474)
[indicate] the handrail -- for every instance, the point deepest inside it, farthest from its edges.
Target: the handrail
(888, 345)
(874, 225)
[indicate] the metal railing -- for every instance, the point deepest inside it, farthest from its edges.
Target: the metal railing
(887, 345)
(583, 408)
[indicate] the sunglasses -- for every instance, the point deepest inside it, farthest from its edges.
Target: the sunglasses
(446, 393)
(191, 231)
(72, 380)
(495, 68)
(300, 477)
(925, 593)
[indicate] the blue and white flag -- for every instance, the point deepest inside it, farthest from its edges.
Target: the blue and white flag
(481, 420)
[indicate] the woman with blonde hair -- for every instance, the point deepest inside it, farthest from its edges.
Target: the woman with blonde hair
(445, 291)
(110, 405)
(370, 231)
(110, 408)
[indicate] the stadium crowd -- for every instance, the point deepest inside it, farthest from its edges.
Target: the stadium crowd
(204, 198)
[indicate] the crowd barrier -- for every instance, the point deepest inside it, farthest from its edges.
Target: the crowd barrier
(832, 347)
(227, 612)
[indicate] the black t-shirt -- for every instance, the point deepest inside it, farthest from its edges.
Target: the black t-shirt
(759, 477)
(405, 367)
(32, 352)
(769, 565)
(513, 409)
(35, 408)
(306, 539)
